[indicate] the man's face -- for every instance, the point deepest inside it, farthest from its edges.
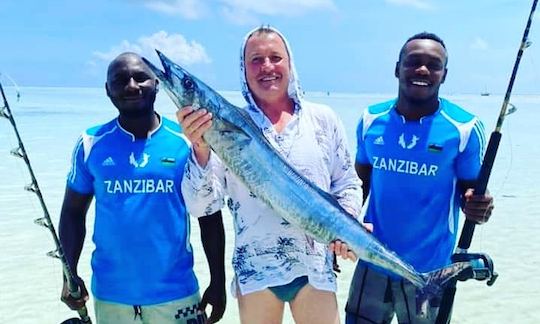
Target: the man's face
(131, 86)
(267, 66)
(421, 69)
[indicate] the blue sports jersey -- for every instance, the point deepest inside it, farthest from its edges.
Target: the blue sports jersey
(143, 255)
(414, 201)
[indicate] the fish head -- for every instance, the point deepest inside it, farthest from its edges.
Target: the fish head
(183, 88)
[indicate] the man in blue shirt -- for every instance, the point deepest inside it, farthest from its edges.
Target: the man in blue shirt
(133, 165)
(418, 157)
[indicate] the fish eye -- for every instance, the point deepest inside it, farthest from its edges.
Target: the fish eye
(187, 83)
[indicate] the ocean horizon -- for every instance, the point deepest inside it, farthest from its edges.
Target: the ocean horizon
(51, 118)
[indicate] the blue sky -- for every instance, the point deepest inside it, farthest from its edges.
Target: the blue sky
(339, 45)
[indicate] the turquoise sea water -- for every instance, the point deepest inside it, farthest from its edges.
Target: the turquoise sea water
(50, 120)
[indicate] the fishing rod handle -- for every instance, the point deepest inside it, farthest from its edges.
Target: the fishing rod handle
(487, 164)
(83, 314)
(481, 187)
(75, 292)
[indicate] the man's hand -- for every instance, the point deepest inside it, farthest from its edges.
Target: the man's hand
(342, 249)
(74, 303)
(215, 296)
(477, 208)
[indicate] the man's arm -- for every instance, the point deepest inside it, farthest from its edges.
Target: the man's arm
(72, 231)
(364, 173)
(213, 241)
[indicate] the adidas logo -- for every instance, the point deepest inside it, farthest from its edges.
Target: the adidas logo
(379, 141)
(108, 162)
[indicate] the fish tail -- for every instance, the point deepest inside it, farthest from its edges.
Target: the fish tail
(437, 279)
(435, 282)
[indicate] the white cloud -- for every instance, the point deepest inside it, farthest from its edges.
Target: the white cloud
(248, 12)
(238, 11)
(175, 46)
(189, 9)
(239, 17)
(277, 7)
(418, 4)
(479, 44)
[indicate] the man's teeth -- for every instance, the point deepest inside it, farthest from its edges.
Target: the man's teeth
(269, 78)
(420, 83)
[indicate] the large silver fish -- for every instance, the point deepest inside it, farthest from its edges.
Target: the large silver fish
(241, 145)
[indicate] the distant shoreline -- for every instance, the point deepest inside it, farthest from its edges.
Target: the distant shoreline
(317, 93)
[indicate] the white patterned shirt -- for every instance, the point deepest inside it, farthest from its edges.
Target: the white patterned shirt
(269, 251)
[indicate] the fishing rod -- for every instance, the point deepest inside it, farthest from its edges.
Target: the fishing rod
(467, 233)
(45, 221)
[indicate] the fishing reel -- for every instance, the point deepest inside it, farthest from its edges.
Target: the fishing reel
(481, 267)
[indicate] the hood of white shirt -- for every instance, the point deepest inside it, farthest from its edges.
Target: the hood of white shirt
(293, 89)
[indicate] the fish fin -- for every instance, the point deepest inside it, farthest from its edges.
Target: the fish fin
(231, 133)
(436, 281)
(226, 126)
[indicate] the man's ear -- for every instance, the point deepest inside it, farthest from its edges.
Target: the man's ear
(157, 85)
(444, 76)
(396, 70)
(107, 90)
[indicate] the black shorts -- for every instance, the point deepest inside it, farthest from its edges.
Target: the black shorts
(375, 298)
